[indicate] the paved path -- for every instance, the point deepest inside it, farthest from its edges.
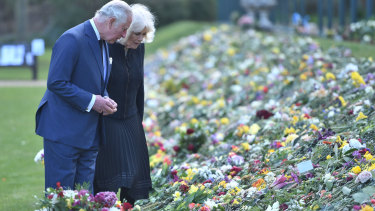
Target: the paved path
(23, 83)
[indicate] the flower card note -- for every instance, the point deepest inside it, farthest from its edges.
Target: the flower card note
(305, 166)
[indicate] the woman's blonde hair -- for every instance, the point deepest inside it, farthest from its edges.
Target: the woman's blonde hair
(142, 18)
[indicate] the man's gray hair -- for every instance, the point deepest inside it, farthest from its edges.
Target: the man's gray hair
(142, 18)
(117, 9)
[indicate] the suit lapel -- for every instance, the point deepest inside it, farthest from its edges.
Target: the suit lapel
(94, 46)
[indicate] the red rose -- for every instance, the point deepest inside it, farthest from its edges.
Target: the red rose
(126, 206)
(176, 148)
(184, 188)
(174, 172)
(190, 131)
(191, 147)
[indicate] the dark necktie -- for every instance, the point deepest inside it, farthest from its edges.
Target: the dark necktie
(101, 47)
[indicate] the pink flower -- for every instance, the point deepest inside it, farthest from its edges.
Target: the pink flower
(363, 177)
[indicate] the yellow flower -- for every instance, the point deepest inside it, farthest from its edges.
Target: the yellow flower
(316, 207)
(223, 184)
(193, 189)
(254, 128)
(177, 195)
(289, 130)
(295, 120)
(224, 121)
(207, 37)
(82, 209)
(314, 127)
(276, 50)
(343, 103)
(221, 102)
(291, 137)
(330, 76)
(245, 128)
(68, 203)
(302, 65)
(329, 157)
(245, 146)
(343, 144)
(171, 103)
(231, 51)
(194, 121)
(271, 151)
(372, 167)
(367, 208)
(195, 100)
(360, 116)
(368, 156)
(370, 59)
(357, 78)
(356, 170)
(235, 202)
(303, 77)
(157, 133)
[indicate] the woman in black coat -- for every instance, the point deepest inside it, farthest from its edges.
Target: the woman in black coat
(123, 161)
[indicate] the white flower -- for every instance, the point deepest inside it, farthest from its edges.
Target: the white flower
(369, 90)
(270, 177)
(232, 184)
(225, 168)
(363, 177)
(275, 207)
(39, 156)
(328, 178)
(354, 143)
(70, 193)
(210, 203)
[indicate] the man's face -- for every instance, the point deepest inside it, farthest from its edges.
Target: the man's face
(116, 31)
(136, 38)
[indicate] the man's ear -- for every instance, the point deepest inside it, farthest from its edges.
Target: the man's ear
(112, 22)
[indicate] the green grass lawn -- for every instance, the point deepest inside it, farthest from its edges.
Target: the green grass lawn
(358, 49)
(21, 178)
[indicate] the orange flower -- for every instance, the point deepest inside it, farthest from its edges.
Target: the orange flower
(258, 183)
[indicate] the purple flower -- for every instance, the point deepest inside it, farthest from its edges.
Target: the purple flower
(348, 164)
(310, 175)
(280, 182)
(356, 155)
(106, 199)
(295, 177)
(236, 160)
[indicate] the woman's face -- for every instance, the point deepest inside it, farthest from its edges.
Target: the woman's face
(136, 38)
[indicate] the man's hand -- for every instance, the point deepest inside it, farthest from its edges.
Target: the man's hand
(104, 105)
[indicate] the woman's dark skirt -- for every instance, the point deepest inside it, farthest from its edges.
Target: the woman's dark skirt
(124, 161)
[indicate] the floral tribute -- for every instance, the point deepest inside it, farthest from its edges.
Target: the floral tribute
(263, 105)
(232, 117)
(81, 199)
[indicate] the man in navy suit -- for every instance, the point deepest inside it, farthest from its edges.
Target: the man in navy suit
(69, 116)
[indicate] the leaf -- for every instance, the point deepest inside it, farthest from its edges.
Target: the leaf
(361, 197)
(350, 151)
(329, 185)
(347, 159)
(336, 150)
(370, 190)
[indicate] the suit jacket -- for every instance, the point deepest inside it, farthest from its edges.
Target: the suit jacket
(75, 73)
(128, 101)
